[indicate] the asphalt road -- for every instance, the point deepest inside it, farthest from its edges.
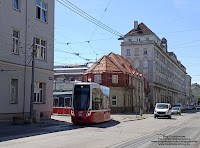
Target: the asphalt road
(121, 131)
(185, 133)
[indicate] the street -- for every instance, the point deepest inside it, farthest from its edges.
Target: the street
(122, 131)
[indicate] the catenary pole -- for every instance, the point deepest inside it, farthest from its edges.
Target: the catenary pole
(32, 80)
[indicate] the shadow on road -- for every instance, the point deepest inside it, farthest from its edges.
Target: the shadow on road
(8, 131)
(193, 111)
(166, 118)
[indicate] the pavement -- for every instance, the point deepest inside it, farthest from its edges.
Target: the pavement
(9, 131)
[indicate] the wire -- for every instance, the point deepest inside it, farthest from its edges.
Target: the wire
(83, 14)
(92, 49)
(29, 62)
(100, 19)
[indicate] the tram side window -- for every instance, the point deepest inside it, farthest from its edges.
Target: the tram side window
(55, 103)
(99, 99)
(67, 102)
(61, 102)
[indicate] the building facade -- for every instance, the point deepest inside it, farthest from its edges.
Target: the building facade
(188, 90)
(21, 22)
(149, 54)
(128, 88)
(195, 93)
(65, 76)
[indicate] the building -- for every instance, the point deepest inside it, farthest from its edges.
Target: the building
(21, 22)
(65, 76)
(149, 54)
(188, 90)
(195, 93)
(128, 88)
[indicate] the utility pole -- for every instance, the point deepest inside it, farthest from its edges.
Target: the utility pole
(32, 81)
(142, 92)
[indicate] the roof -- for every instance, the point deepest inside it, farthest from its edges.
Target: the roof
(142, 29)
(112, 63)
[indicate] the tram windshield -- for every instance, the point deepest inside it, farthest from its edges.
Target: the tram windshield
(81, 100)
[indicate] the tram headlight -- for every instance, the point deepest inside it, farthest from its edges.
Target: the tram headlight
(72, 113)
(89, 113)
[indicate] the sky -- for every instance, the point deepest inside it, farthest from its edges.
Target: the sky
(176, 20)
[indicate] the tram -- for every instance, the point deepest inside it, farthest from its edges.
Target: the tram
(62, 103)
(90, 103)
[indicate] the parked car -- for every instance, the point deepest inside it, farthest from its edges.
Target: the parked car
(176, 110)
(184, 107)
(192, 106)
(188, 107)
(162, 110)
(198, 106)
(179, 105)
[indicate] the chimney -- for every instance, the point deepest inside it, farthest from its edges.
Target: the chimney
(135, 25)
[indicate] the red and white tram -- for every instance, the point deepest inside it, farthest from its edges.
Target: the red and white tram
(90, 103)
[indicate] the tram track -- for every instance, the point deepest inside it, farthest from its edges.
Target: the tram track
(144, 140)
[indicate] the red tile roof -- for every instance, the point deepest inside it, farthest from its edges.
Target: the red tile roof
(142, 29)
(112, 63)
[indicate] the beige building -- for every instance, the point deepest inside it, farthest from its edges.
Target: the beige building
(20, 22)
(149, 54)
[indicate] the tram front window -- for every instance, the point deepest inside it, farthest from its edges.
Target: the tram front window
(81, 98)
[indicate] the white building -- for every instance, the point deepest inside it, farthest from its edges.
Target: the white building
(20, 22)
(149, 54)
(65, 76)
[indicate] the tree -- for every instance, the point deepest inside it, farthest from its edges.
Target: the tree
(198, 98)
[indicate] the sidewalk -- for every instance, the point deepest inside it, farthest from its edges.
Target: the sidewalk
(8, 131)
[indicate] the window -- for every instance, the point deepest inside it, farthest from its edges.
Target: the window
(14, 91)
(147, 38)
(129, 80)
(136, 51)
(145, 64)
(129, 100)
(100, 98)
(39, 89)
(16, 4)
(55, 102)
(61, 102)
(15, 42)
(138, 39)
(67, 102)
(41, 10)
(40, 49)
(137, 64)
(130, 40)
(97, 78)
(145, 50)
(114, 78)
(128, 52)
(114, 100)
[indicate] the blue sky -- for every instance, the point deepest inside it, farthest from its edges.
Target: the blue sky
(176, 20)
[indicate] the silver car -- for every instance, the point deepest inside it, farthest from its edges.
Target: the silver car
(176, 110)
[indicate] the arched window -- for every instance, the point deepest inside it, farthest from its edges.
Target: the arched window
(145, 64)
(137, 64)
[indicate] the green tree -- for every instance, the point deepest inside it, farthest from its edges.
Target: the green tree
(198, 98)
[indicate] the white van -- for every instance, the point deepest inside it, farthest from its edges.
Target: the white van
(163, 110)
